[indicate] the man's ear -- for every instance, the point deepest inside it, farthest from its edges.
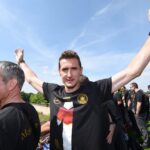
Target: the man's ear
(12, 83)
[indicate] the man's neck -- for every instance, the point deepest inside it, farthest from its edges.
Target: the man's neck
(15, 99)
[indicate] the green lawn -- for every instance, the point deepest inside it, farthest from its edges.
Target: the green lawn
(43, 118)
(147, 149)
(148, 123)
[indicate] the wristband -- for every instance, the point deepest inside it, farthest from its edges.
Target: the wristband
(21, 61)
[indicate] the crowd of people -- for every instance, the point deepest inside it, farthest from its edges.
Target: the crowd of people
(84, 114)
(133, 106)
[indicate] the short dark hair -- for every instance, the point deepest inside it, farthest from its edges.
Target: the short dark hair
(68, 54)
(148, 86)
(134, 84)
(10, 70)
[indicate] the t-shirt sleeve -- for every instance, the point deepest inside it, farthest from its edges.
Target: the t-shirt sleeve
(112, 109)
(139, 96)
(104, 87)
(48, 88)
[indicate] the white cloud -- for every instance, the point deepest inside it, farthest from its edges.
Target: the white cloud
(74, 42)
(88, 30)
(102, 38)
(102, 11)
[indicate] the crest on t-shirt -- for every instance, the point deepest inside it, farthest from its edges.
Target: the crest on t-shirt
(56, 101)
(82, 99)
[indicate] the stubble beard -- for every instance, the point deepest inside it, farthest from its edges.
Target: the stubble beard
(75, 86)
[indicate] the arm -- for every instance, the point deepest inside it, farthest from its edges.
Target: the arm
(135, 68)
(45, 128)
(138, 108)
(129, 103)
(30, 76)
(112, 127)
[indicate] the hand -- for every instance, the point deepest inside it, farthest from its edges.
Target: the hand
(109, 137)
(19, 55)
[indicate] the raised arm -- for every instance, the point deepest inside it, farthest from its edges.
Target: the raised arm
(30, 76)
(135, 68)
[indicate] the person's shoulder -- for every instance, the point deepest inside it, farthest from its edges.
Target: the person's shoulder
(140, 92)
(103, 83)
(19, 108)
(104, 80)
(6, 111)
(8, 114)
(51, 86)
(27, 107)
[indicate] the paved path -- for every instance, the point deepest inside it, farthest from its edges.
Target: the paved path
(43, 109)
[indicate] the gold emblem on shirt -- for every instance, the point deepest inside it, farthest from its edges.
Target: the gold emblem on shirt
(56, 101)
(82, 99)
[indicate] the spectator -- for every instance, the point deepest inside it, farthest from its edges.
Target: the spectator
(141, 111)
(19, 122)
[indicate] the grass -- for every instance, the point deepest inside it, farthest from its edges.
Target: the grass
(148, 128)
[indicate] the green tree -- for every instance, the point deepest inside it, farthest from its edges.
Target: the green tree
(38, 98)
(25, 96)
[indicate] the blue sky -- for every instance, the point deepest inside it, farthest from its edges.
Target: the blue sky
(105, 33)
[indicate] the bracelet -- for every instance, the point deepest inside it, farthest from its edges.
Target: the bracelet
(21, 61)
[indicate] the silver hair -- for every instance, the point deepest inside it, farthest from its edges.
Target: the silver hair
(10, 70)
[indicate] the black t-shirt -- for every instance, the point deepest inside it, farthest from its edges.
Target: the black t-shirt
(117, 97)
(140, 97)
(131, 97)
(19, 127)
(83, 118)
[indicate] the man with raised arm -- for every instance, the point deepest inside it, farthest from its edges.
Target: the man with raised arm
(76, 108)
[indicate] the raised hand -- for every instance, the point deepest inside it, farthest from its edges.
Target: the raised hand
(19, 55)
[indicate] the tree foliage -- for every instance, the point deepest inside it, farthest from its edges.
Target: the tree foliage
(37, 98)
